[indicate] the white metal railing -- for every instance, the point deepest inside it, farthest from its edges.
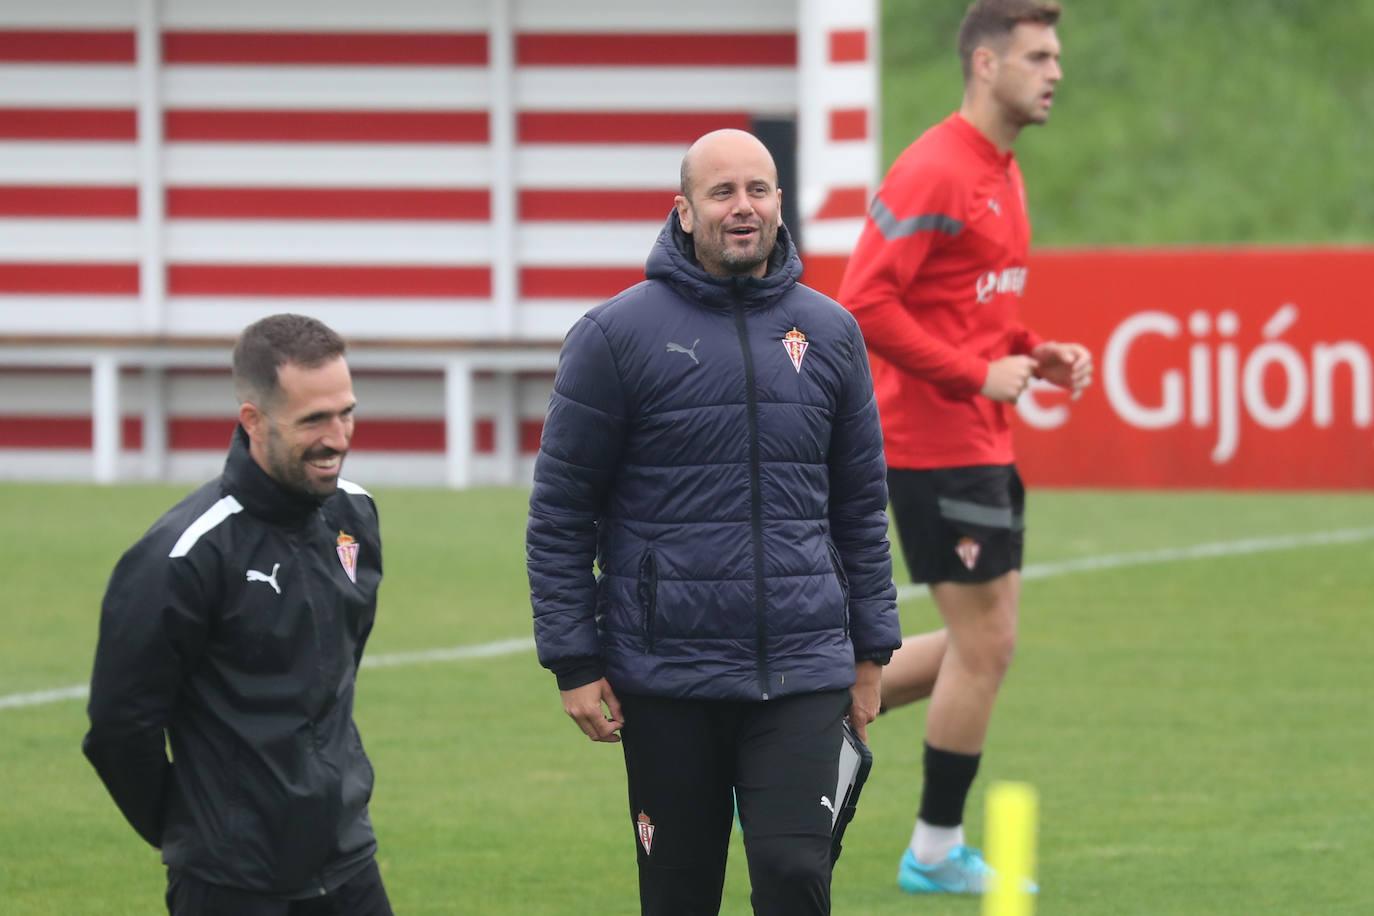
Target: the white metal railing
(459, 366)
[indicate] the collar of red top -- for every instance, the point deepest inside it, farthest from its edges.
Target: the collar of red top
(986, 149)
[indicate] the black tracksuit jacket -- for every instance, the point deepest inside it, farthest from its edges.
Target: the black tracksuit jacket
(234, 629)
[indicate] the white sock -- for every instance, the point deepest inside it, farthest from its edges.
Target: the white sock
(930, 844)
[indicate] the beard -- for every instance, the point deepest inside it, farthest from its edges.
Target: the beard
(718, 251)
(1022, 111)
(290, 469)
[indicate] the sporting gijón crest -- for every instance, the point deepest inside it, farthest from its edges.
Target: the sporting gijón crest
(968, 550)
(795, 343)
(347, 549)
(645, 828)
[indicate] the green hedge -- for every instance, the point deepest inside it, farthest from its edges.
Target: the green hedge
(1178, 121)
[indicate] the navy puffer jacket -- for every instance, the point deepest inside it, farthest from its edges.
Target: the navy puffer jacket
(714, 445)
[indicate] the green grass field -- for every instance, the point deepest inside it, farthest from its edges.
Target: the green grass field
(1177, 122)
(1198, 729)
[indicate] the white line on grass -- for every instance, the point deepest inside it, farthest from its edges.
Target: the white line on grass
(44, 697)
(452, 654)
(1177, 554)
(386, 660)
(1032, 571)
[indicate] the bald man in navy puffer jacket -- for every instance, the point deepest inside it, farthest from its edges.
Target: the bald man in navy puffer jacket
(712, 443)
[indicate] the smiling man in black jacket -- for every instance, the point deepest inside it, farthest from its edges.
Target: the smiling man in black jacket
(234, 629)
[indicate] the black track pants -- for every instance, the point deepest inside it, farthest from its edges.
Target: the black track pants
(361, 895)
(683, 757)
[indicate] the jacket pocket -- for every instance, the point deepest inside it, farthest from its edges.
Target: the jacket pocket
(648, 596)
(842, 579)
(360, 757)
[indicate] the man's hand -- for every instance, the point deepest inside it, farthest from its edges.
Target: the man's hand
(1008, 377)
(1068, 365)
(865, 696)
(583, 705)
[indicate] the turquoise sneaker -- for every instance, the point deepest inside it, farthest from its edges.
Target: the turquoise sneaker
(962, 872)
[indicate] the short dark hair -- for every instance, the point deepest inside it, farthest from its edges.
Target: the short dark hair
(995, 19)
(269, 343)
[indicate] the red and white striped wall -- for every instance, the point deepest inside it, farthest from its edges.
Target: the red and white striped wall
(838, 130)
(424, 171)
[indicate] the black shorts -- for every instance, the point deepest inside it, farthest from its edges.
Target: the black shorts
(959, 524)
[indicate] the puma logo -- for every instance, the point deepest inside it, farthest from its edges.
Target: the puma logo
(692, 351)
(255, 576)
(825, 803)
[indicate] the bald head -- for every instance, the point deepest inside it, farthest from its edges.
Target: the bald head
(727, 146)
(730, 203)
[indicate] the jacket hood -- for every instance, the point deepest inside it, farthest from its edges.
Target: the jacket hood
(259, 493)
(673, 260)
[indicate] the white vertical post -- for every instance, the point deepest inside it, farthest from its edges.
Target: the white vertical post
(105, 419)
(508, 427)
(458, 423)
(813, 111)
(154, 423)
(501, 72)
(874, 19)
(152, 273)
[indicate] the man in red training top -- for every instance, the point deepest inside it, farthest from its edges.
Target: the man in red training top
(936, 284)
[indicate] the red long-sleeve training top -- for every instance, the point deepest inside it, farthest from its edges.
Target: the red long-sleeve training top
(936, 282)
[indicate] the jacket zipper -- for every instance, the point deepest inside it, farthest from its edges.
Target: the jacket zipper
(843, 579)
(311, 717)
(755, 501)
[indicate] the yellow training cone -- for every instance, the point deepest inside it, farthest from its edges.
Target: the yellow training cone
(1011, 849)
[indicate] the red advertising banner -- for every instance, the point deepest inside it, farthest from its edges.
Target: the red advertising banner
(1227, 368)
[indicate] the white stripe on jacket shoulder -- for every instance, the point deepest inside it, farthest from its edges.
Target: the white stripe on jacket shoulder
(352, 488)
(208, 520)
